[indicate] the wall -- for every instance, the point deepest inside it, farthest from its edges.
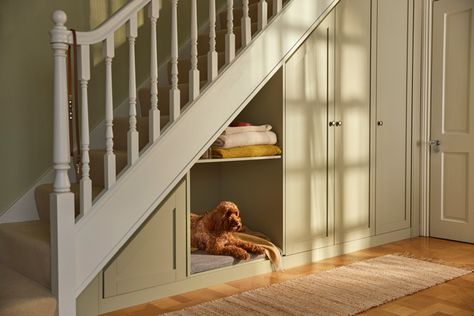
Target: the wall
(26, 78)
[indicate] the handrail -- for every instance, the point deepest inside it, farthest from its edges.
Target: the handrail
(117, 20)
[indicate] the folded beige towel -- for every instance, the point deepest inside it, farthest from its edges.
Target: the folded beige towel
(243, 129)
(246, 139)
(272, 251)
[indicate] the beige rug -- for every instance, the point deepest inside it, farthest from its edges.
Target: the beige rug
(346, 290)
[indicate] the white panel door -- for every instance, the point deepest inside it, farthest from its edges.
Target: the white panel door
(352, 115)
(452, 121)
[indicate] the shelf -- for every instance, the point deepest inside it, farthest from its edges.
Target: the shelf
(214, 160)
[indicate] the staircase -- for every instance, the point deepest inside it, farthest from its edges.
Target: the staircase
(82, 225)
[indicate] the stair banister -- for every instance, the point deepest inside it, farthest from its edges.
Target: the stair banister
(230, 36)
(132, 135)
(111, 25)
(63, 270)
(194, 80)
(262, 14)
(212, 55)
(154, 113)
(109, 157)
(175, 102)
(277, 5)
(85, 182)
(246, 24)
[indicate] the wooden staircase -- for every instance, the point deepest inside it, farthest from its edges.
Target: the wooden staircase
(27, 244)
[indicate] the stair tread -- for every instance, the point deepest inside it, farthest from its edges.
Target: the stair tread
(28, 247)
(21, 296)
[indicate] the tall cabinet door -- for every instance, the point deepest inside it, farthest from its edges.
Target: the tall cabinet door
(352, 115)
(393, 110)
(308, 215)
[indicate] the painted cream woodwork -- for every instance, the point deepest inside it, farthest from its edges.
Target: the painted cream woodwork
(156, 255)
(163, 164)
(452, 121)
(353, 217)
(393, 107)
(309, 213)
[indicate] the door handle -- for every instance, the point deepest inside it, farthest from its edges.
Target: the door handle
(338, 123)
(332, 123)
(435, 144)
(380, 123)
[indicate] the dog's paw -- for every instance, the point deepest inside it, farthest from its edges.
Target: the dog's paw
(259, 250)
(242, 255)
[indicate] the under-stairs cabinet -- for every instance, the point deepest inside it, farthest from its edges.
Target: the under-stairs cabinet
(348, 114)
(327, 147)
(341, 107)
(154, 256)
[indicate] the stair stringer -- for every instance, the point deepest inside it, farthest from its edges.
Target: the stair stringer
(121, 211)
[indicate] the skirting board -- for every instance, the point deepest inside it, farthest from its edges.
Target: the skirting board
(223, 275)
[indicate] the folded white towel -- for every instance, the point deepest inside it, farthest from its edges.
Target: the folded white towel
(244, 129)
(246, 139)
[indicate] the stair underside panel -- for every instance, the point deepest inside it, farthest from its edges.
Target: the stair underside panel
(117, 215)
(21, 296)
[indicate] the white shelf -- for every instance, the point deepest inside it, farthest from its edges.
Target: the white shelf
(214, 160)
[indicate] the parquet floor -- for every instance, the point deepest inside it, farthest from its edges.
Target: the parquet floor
(454, 297)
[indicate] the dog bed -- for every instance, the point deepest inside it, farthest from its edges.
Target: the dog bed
(201, 261)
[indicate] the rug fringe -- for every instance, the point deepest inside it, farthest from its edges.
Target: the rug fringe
(468, 267)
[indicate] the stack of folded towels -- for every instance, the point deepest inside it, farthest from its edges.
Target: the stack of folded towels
(246, 140)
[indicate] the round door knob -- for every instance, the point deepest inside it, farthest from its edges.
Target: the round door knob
(338, 123)
(332, 123)
(380, 123)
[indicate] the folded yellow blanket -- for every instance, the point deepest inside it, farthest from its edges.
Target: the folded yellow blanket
(246, 151)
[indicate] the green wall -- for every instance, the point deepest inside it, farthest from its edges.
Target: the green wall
(26, 78)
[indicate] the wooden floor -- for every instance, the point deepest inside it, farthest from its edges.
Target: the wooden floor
(454, 297)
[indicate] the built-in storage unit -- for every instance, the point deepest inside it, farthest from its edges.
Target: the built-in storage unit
(341, 107)
(348, 114)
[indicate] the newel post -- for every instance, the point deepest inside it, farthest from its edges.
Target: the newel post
(62, 199)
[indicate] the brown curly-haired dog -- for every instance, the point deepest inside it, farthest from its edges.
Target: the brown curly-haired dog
(212, 232)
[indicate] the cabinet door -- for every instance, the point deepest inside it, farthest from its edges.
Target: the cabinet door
(156, 254)
(352, 111)
(308, 215)
(393, 108)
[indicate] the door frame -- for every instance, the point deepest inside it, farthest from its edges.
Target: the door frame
(425, 117)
